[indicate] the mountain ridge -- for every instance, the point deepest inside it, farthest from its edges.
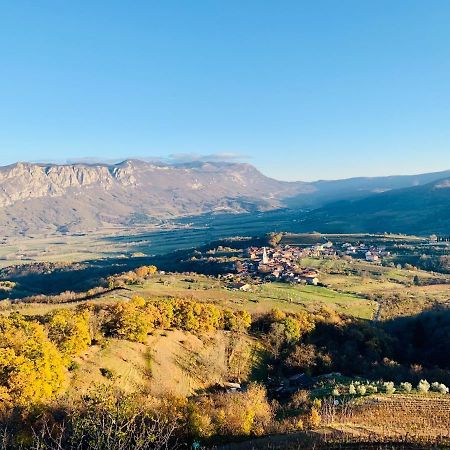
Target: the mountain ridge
(419, 209)
(52, 179)
(39, 198)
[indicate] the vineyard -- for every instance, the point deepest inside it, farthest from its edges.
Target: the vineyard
(414, 418)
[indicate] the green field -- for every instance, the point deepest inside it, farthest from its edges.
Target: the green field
(261, 299)
(355, 288)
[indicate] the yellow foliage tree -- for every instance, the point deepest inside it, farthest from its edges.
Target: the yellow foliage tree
(31, 367)
(277, 315)
(165, 314)
(298, 325)
(138, 301)
(199, 422)
(314, 418)
(236, 320)
(143, 271)
(210, 317)
(133, 320)
(130, 320)
(236, 414)
(69, 330)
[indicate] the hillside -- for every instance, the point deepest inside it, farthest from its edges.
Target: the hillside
(421, 210)
(38, 199)
(228, 365)
(169, 362)
(356, 188)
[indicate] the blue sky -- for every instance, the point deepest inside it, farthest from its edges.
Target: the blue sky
(302, 90)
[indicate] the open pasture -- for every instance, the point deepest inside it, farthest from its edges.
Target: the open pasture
(261, 298)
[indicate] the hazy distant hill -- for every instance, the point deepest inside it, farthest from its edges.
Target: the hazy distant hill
(45, 198)
(353, 188)
(421, 209)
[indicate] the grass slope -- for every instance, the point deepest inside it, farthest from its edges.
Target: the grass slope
(170, 362)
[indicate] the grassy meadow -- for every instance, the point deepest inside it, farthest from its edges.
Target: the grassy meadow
(261, 299)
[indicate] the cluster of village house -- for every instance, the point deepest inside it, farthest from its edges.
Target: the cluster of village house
(282, 262)
(369, 253)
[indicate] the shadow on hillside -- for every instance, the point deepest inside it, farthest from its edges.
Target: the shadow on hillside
(423, 338)
(403, 349)
(50, 279)
(53, 278)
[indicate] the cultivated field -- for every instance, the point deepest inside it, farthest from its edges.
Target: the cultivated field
(395, 417)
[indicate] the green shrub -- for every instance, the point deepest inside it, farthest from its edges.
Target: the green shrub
(439, 387)
(106, 373)
(423, 386)
(406, 387)
(361, 390)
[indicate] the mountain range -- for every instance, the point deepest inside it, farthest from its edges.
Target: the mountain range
(423, 209)
(37, 199)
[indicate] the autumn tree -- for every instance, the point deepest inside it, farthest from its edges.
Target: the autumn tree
(306, 357)
(196, 317)
(313, 419)
(187, 315)
(144, 271)
(141, 272)
(276, 315)
(211, 317)
(130, 320)
(237, 414)
(31, 367)
(287, 329)
(165, 314)
(236, 320)
(135, 319)
(69, 330)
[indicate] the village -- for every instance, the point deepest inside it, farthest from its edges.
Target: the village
(283, 262)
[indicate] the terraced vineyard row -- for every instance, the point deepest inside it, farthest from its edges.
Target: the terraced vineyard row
(400, 416)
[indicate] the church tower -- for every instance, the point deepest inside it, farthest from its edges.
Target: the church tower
(265, 258)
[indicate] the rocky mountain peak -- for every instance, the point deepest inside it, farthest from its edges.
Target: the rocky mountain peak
(37, 198)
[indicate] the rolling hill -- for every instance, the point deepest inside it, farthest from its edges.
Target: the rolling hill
(421, 210)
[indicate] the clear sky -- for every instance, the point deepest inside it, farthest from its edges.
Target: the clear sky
(301, 89)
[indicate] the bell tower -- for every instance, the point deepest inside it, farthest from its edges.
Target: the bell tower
(265, 258)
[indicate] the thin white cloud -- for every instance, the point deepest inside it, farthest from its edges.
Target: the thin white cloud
(174, 158)
(220, 156)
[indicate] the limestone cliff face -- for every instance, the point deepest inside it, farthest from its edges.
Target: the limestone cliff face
(24, 181)
(35, 197)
